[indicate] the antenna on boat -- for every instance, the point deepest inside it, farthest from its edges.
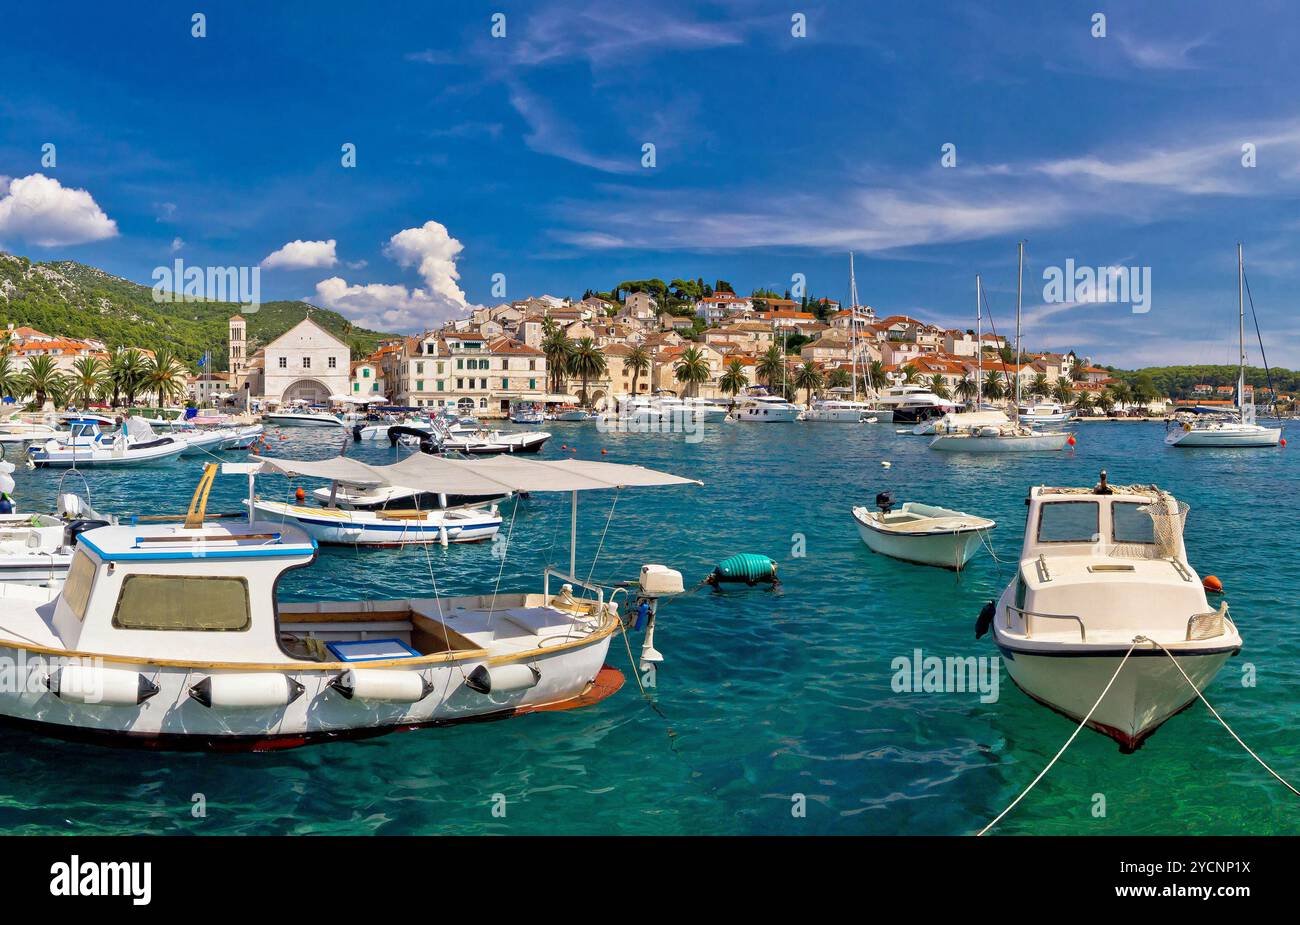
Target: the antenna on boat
(199, 503)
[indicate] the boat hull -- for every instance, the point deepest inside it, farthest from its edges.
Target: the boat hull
(302, 420)
(96, 456)
(34, 569)
(172, 719)
(949, 550)
(1029, 443)
(363, 528)
(1147, 692)
(1264, 436)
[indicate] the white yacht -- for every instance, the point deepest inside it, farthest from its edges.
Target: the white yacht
(1103, 573)
(86, 444)
(1238, 429)
(911, 404)
(766, 409)
(841, 411)
(301, 415)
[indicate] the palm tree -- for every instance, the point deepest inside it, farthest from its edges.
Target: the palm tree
(558, 348)
(839, 378)
(1121, 393)
(939, 386)
(586, 361)
(41, 377)
(994, 385)
(1105, 401)
(1063, 391)
(771, 366)
(164, 375)
(1039, 388)
(692, 369)
(639, 362)
(808, 377)
(734, 379)
(10, 378)
(87, 378)
(1083, 404)
(126, 372)
(876, 377)
(910, 373)
(966, 389)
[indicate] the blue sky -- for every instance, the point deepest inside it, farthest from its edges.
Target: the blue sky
(774, 155)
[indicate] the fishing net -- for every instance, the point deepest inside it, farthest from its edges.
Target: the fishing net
(1167, 519)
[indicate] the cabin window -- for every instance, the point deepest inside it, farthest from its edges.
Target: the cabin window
(1130, 524)
(182, 602)
(76, 587)
(1068, 522)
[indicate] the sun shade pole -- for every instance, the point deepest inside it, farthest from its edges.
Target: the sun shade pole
(573, 536)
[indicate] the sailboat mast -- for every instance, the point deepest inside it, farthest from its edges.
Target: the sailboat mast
(1020, 281)
(853, 323)
(1241, 335)
(979, 345)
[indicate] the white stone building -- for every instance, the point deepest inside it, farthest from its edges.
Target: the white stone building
(305, 363)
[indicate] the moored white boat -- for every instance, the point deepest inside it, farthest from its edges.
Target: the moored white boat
(760, 408)
(839, 411)
(87, 445)
(1104, 572)
(925, 534)
(302, 416)
(1043, 413)
(169, 635)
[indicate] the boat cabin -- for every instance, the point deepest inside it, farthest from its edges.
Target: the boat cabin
(1113, 552)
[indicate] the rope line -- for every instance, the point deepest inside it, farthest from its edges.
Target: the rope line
(1224, 723)
(1073, 736)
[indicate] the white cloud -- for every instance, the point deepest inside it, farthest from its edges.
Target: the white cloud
(302, 255)
(1171, 55)
(177, 244)
(41, 210)
(391, 307)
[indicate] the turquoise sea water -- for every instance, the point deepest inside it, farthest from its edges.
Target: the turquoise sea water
(763, 695)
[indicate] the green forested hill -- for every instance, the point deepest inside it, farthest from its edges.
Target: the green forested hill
(1178, 381)
(74, 300)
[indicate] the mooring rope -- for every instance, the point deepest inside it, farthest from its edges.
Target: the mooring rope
(1221, 720)
(1073, 736)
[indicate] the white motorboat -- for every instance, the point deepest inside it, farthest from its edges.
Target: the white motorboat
(527, 412)
(302, 416)
(993, 432)
(766, 409)
(1104, 573)
(20, 430)
(87, 445)
(37, 548)
(396, 497)
(170, 635)
(570, 413)
(242, 437)
(925, 534)
(1042, 413)
(688, 410)
(387, 527)
(1238, 429)
(492, 442)
(840, 411)
(912, 404)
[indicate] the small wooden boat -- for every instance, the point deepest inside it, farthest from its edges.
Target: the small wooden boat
(1103, 572)
(924, 534)
(168, 632)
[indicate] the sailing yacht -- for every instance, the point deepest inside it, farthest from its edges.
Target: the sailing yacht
(1237, 429)
(842, 410)
(973, 433)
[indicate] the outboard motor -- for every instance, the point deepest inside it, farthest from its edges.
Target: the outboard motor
(77, 527)
(885, 501)
(356, 432)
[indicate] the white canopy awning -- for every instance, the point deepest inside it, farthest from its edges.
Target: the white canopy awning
(335, 469)
(498, 475)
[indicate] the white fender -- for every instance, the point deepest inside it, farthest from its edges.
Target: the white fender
(382, 684)
(246, 691)
(503, 679)
(115, 687)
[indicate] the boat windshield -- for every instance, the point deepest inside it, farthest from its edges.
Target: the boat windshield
(1069, 522)
(1130, 523)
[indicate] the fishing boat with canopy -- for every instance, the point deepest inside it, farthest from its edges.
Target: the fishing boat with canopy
(168, 632)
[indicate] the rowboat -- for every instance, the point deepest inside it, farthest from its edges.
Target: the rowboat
(925, 534)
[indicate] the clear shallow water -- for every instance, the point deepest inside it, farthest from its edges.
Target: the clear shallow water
(766, 695)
